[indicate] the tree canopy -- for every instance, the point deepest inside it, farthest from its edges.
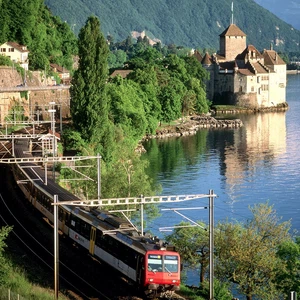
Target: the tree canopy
(260, 256)
(47, 37)
(4, 231)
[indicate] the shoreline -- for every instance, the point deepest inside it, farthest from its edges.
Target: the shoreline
(190, 125)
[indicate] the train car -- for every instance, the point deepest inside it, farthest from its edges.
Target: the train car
(151, 264)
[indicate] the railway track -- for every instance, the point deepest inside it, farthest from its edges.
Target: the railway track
(81, 277)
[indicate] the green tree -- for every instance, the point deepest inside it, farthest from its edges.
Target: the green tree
(193, 245)
(147, 79)
(89, 105)
(170, 98)
(4, 231)
(288, 273)
(246, 254)
(117, 59)
(127, 109)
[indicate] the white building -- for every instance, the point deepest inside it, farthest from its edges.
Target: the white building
(16, 52)
(241, 75)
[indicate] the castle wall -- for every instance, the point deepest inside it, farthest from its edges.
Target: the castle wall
(231, 46)
(246, 100)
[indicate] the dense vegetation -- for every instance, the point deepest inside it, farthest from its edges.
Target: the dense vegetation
(194, 23)
(111, 115)
(260, 258)
(48, 39)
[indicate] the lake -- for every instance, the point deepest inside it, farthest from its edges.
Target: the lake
(256, 163)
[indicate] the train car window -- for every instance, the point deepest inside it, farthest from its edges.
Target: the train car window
(171, 263)
(155, 263)
(49, 206)
(99, 238)
(60, 214)
(67, 219)
(81, 227)
(103, 242)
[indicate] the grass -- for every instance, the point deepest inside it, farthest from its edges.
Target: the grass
(19, 287)
(189, 293)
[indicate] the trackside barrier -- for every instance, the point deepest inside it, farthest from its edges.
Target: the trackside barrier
(7, 294)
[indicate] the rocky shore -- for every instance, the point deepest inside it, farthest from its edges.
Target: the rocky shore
(190, 125)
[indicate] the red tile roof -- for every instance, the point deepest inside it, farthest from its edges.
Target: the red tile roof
(250, 50)
(232, 30)
(272, 58)
(198, 55)
(207, 59)
(17, 46)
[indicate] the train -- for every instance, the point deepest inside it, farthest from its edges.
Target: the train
(146, 261)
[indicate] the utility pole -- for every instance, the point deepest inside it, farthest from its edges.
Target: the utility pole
(52, 114)
(211, 245)
(56, 249)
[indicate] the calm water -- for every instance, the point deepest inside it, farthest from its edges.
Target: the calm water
(256, 163)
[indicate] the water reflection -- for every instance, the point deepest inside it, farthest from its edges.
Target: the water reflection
(253, 164)
(254, 146)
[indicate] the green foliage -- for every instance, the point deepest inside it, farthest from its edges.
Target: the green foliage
(126, 176)
(221, 290)
(116, 59)
(72, 140)
(170, 97)
(193, 245)
(288, 272)
(246, 254)
(47, 38)
(259, 257)
(21, 288)
(190, 24)
(4, 231)
(5, 61)
(89, 105)
(127, 109)
(190, 293)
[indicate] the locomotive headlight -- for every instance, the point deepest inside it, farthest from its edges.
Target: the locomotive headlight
(150, 279)
(174, 280)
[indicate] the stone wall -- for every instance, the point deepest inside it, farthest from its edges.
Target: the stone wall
(191, 125)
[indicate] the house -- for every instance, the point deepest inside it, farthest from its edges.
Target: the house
(241, 75)
(122, 73)
(62, 72)
(16, 52)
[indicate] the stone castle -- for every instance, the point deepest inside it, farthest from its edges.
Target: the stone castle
(241, 75)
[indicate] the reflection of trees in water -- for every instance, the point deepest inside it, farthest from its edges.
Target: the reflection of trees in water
(170, 154)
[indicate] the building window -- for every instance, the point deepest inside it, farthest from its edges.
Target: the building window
(3, 49)
(11, 50)
(252, 88)
(265, 87)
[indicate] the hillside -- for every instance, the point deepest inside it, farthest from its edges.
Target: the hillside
(288, 10)
(193, 23)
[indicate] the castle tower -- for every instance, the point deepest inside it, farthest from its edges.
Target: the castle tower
(232, 42)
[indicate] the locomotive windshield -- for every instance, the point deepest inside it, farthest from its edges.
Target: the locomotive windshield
(163, 263)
